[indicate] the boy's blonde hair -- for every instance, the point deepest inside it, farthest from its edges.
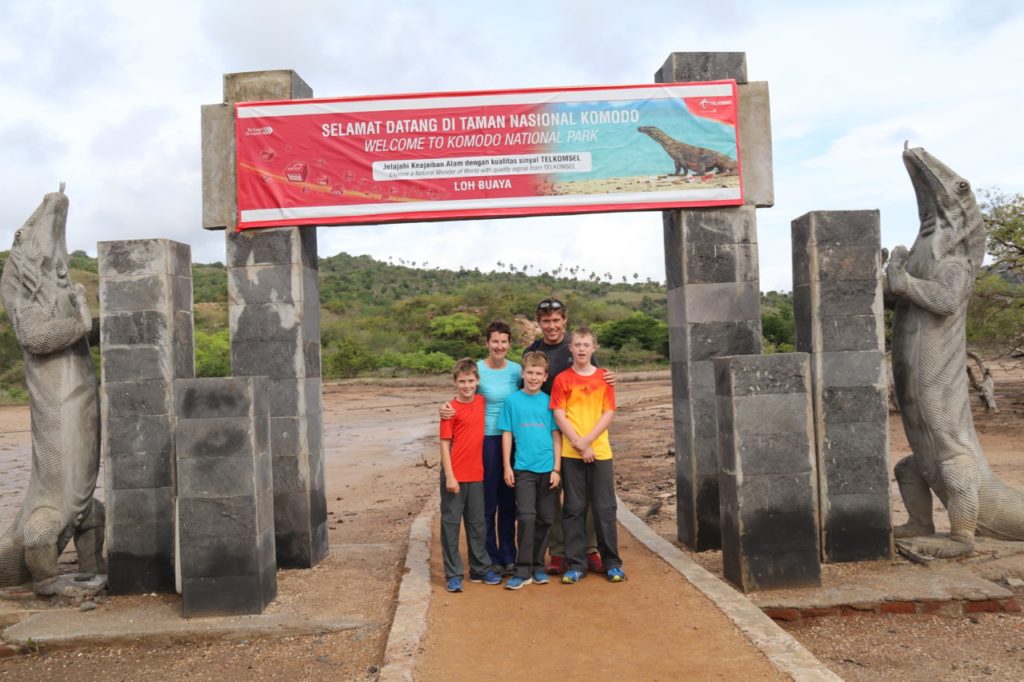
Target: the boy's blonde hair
(535, 359)
(585, 331)
(465, 366)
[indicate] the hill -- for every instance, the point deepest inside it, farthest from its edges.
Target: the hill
(379, 317)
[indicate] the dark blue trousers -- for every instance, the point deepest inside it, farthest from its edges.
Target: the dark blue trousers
(499, 505)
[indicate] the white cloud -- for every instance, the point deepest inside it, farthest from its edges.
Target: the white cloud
(106, 96)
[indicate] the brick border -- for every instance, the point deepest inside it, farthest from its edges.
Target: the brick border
(952, 608)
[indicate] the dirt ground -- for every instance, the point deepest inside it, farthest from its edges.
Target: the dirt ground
(899, 647)
(382, 467)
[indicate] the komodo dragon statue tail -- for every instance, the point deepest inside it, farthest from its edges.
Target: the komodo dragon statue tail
(930, 286)
(51, 321)
(689, 158)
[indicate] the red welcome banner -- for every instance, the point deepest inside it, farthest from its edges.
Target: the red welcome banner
(487, 154)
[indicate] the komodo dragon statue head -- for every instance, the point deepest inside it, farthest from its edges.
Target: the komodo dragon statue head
(37, 267)
(950, 219)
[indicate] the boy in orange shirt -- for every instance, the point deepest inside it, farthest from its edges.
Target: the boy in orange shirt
(584, 405)
(462, 488)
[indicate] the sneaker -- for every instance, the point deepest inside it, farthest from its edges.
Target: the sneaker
(572, 577)
(488, 578)
(454, 584)
(594, 563)
(509, 569)
(540, 577)
(517, 581)
(557, 565)
(615, 575)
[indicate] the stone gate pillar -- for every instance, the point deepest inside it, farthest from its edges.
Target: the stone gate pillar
(274, 311)
(146, 332)
(714, 302)
(837, 302)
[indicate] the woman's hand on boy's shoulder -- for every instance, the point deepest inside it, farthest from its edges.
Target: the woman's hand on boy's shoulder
(446, 411)
(609, 377)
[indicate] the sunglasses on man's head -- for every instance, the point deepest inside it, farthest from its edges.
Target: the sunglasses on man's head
(550, 304)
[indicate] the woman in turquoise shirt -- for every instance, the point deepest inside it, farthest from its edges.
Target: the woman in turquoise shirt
(499, 378)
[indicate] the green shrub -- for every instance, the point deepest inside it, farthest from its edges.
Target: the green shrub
(419, 362)
(347, 359)
(638, 328)
(632, 355)
(213, 354)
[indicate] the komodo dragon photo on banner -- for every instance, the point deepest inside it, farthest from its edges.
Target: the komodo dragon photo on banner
(689, 158)
(930, 287)
(51, 321)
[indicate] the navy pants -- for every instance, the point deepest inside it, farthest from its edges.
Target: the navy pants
(499, 506)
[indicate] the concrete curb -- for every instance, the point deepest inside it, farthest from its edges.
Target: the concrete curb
(786, 654)
(72, 628)
(410, 622)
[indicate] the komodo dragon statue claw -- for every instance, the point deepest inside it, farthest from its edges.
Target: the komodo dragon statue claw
(930, 287)
(51, 321)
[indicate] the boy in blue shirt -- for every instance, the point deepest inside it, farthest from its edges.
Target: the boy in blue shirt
(527, 419)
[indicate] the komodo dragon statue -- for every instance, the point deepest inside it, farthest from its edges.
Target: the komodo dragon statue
(689, 158)
(930, 286)
(51, 321)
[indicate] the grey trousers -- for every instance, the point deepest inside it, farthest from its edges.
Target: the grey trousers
(592, 483)
(535, 507)
(465, 507)
(556, 539)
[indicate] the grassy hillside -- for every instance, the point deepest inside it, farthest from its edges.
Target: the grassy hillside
(392, 318)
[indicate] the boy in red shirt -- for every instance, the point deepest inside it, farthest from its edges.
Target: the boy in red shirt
(584, 405)
(462, 488)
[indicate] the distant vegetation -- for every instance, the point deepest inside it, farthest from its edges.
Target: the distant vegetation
(398, 318)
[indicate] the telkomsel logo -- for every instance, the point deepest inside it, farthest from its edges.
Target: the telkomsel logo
(706, 104)
(266, 130)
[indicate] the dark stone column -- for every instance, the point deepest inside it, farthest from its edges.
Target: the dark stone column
(769, 501)
(274, 312)
(837, 299)
(225, 509)
(713, 293)
(714, 309)
(146, 343)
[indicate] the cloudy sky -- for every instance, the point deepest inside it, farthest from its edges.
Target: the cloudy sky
(106, 95)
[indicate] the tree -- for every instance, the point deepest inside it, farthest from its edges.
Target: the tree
(1004, 220)
(647, 332)
(777, 325)
(995, 316)
(456, 335)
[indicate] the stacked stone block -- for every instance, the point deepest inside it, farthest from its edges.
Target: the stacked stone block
(146, 343)
(274, 314)
(767, 481)
(837, 300)
(714, 309)
(225, 509)
(713, 293)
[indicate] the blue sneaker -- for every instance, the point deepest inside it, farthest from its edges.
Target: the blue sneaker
(572, 577)
(488, 578)
(517, 581)
(615, 575)
(540, 577)
(454, 584)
